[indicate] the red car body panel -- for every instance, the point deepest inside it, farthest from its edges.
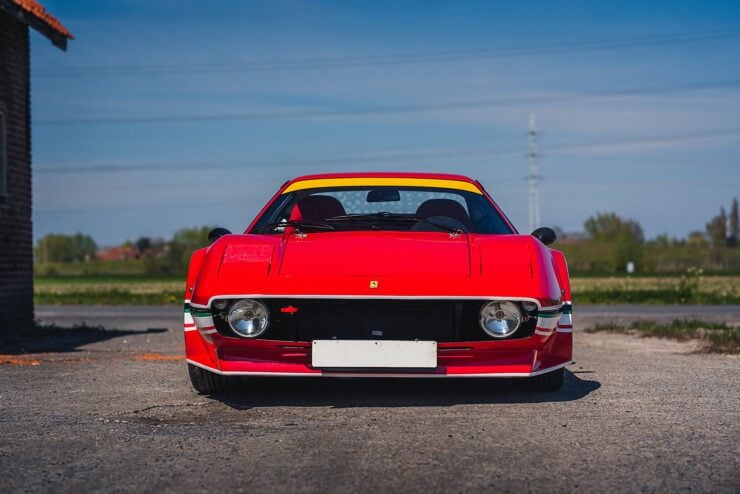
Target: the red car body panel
(405, 265)
(383, 265)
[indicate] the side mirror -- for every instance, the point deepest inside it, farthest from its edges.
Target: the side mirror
(217, 233)
(545, 235)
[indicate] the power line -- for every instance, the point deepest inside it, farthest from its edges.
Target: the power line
(416, 108)
(381, 60)
(389, 157)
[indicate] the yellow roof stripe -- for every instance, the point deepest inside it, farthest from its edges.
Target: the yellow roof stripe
(380, 182)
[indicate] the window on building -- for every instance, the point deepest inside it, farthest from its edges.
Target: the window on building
(3, 160)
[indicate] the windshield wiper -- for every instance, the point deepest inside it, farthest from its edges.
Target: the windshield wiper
(385, 216)
(295, 223)
(369, 216)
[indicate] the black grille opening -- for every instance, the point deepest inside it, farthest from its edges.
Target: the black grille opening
(318, 319)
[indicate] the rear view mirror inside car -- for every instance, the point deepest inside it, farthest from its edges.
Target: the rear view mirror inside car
(383, 195)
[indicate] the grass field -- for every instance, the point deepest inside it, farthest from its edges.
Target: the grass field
(713, 337)
(109, 291)
(687, 289)
(127, 290)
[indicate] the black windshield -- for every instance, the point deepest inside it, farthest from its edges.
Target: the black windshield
(384, 208)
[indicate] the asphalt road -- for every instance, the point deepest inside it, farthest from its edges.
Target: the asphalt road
(113, 411)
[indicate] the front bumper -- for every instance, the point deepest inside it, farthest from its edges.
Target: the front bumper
(548, 348)
(527, 357)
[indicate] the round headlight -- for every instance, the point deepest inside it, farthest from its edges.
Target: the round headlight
(500, 319)
(249, 318)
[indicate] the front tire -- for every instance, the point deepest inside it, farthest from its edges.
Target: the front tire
(209, 383)
(550, 381)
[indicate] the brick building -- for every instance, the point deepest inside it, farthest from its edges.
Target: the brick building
(16, 239)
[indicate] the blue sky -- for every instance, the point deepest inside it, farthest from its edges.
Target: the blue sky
(175, 113)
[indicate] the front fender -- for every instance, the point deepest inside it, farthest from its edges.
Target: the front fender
(560, 266)
(196, 261)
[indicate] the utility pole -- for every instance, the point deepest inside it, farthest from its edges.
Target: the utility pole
(534, 178)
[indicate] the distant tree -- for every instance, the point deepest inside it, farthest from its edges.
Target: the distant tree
(84, 247)
(143, 244)
(717, 228)
(176, 253)
(625, 238)
(610, 227)
(697, 239)
(663, 241)
(189, 240)
(65, 248)
(732, 238)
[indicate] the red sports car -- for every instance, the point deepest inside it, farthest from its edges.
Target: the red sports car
(379, 275)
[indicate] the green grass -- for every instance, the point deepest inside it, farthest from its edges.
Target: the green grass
(109, 297)
(714, 337)
(106, 279)
(109, 291)
(692, 288)
(652, 297)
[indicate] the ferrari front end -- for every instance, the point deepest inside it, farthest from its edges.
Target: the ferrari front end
(379, 275)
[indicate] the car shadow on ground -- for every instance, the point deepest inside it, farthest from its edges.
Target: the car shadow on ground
(55, 339)
(348, 393)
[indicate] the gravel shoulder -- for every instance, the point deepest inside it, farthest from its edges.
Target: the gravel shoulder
(115, 412)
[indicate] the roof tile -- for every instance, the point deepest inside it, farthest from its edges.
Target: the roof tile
(37, 10)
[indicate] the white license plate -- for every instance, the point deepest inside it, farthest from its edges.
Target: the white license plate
(388, 354)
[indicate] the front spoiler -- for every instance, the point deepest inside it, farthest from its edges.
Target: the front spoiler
(378, 374)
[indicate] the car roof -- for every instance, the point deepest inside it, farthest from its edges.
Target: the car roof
(419, 175)
(438, 176)
(382, 178)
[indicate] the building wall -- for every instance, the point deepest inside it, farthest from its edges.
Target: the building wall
(16, 239)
